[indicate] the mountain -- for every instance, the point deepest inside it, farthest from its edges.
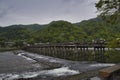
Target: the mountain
(32, 27)
(14, 33)
(59, 31)
(18, 32)
(62, 31)
(96, 28)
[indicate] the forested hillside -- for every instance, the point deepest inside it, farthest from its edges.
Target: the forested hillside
(62, 31)
(96, 28)
(18, 32)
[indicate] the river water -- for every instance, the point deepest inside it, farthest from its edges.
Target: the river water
(25, 65)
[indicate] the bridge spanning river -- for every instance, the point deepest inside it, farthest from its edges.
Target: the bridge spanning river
(54, 62)
(79, 52)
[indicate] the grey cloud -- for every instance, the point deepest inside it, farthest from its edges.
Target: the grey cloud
(73, 1)
(93, 2)
(44, 11)
(1, 1)
(71, 5)
(5, 7)
(4, 11)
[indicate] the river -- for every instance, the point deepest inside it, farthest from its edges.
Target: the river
(24, 65)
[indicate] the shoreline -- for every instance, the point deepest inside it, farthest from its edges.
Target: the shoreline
(8, 49)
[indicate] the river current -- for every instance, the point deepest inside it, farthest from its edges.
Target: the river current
(24, 65)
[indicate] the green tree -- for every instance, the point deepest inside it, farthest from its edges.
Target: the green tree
(19, 43)
(109, 10)
(115, 43)
(59, 31)
(31, 41)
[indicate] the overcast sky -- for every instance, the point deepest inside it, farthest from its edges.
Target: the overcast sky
(45, 11)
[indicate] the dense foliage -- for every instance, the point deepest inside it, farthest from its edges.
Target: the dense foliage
(109, 10)
(61, 31)
(18, 32)
(13, 33)
(98, 29)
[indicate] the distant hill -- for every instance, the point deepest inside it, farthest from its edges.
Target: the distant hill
(17, 32)
(33, 27)
(59, 31)
(13, 33)
(93, 20)
(62, 31)
(96, 28)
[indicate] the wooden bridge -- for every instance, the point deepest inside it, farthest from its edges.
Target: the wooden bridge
(72, 51)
